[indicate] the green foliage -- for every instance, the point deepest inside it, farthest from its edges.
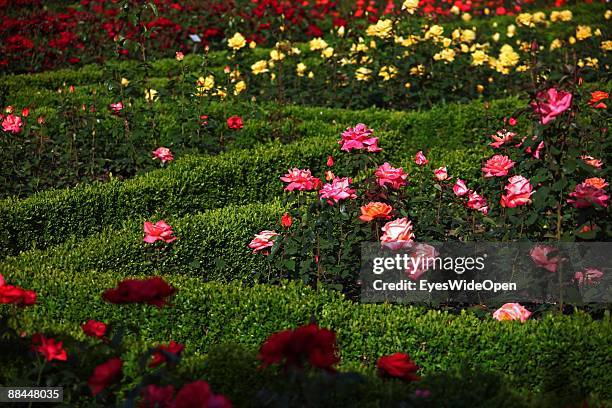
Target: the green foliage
(199, 183)
(207, 314)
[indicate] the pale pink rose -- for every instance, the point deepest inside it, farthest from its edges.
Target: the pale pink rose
(545, 257)
(588, 276)
(301, 180)
(160, 231)
(263, 241)
(423, 256)
(460, 189)
(391, 176)
(477, 202)
(497, 166)
(359, 138)
(441, 174)
(12, 124)
(518, 192)
(397, 234)
(512, 311)
(338, 189)
(551, 103)
(116, 107)
(163, 153)
(420, 159)
(585, 195)
(501, 137)
(591, 161)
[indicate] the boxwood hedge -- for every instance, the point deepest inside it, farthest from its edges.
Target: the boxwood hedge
(249, 175)
(549, 353)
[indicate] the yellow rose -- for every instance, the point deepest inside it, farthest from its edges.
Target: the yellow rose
(151, 95)
(479, 58)
(328, 52)
(300, 69)
(382, 29)
(236, 42)
(387, 72)
(410, 6)
(363, 74)
(125, 82)
(259, 67)
(583, 32)
(317, 44)
(239, 88)
(276, 55)
(555, 44)
(468, 36)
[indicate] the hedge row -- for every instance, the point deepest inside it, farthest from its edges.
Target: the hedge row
(212, 244)
(199, 183)
(551, 353)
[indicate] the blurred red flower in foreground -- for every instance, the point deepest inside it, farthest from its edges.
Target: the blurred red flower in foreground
(308, 343)
(398, 365)
(153, 291)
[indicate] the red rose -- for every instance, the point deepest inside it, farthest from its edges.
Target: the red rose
(17, 296)
(235, 122)
(398, 365)
(307, 343)
(152, 291)
(155, 396)
(94, 329)
(159, 356)
(105, 375)
(199, 395)
(50, 348)
(286, 220)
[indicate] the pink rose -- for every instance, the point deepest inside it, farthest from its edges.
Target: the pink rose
(551, 104)
(390, 176)
(585, 195)
(423, 256)
(512, 311)
(512, 121)
(501, 137)
(477, 202)
(588, 276)
(420, 159)
(359, 138)
(163, 153)
(397, 234)
(12, 124)
(460, 189)
(518, 192)
(263, 241)
(160, 231)
(497, 166)
(545, 257)
(441, 174)
(338, 189)
(301, 180)
(330, 161)
(116, 107)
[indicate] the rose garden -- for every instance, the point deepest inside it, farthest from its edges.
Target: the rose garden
(190, 191)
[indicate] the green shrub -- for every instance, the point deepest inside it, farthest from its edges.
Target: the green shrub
(200, 183)
(549, 352)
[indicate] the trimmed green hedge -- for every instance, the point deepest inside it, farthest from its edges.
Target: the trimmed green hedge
(216, 239)
(540, 355)
(199, 183)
